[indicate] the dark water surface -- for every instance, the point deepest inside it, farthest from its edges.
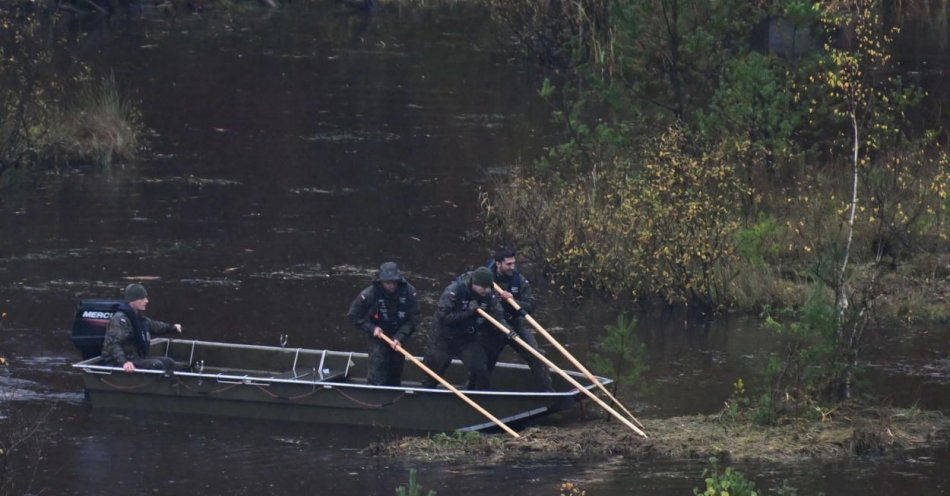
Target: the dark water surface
(290, 153)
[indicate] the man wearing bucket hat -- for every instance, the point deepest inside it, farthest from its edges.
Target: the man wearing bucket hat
(388, 306)
(457, 325)
(129, 332)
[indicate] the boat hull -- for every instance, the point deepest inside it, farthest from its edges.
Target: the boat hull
(313, 386)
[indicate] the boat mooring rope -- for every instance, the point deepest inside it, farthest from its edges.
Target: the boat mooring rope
(289, 398)
(371, 405)
(260, 388)
(213, 391)
(116, 386)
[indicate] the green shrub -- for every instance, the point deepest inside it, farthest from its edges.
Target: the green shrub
(725, 483)
(621, 355)
(757, 242)
(414, 489)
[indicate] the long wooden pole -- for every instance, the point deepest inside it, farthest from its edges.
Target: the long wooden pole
(562, 373)
(514, 304)
(450, 387)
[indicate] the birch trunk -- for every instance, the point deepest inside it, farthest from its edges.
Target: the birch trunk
(841, 294)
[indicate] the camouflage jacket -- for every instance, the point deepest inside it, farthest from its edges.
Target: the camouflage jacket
(397, 314)
(119, 346)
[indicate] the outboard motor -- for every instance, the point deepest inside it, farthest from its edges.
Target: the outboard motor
(89, 325)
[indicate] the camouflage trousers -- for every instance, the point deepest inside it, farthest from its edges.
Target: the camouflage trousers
(385, 364)
(155, 363)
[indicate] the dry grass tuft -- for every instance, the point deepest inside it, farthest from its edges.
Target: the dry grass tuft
(103, 127)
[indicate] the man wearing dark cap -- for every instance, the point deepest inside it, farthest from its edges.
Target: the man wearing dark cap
(514, 286)
(129, 334)
(457, 324)
(388, 306)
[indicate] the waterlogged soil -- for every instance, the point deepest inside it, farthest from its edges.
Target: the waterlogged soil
(858, 432)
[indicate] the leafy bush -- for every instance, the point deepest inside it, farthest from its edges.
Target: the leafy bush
(804, 371)
(660, 227)
(725, 483)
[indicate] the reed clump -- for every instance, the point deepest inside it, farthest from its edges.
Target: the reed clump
(102, 127)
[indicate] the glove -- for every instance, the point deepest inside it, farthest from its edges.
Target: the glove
(511, 336)
(473, 306)
(522, 312)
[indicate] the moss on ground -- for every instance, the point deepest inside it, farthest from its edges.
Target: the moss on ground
(848, 433)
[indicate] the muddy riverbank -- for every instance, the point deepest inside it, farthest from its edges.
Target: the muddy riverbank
(850, 433)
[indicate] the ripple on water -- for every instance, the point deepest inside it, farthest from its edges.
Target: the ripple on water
(487, 121)
(937, 370)
(58, 285)
(192, 181)
(298, 272)
(212, 282)
(45, 363)
(352, 137)
(321, 191)
(14, 389)
(100, 251)
(47, 255)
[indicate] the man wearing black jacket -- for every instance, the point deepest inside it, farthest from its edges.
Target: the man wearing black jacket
(457, 326)
(514, 286)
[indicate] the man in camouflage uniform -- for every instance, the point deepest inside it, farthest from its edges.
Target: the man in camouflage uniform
(457, 325)
(515, 286)
(388, 306)
(129, 332)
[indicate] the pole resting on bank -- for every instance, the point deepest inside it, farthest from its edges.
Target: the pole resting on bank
(562, 373)
(450, 387)
(514, 304)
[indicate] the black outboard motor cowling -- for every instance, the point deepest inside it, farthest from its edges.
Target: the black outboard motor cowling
(89, 325)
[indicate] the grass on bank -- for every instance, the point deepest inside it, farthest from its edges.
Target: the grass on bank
(849, 431)
(100, 128)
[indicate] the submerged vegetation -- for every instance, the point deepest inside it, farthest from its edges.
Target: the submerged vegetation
(737, 156)
(414, 488)
(727, 481)
(53, 112)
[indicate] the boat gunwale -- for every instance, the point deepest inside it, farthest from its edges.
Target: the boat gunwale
(90, 368)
